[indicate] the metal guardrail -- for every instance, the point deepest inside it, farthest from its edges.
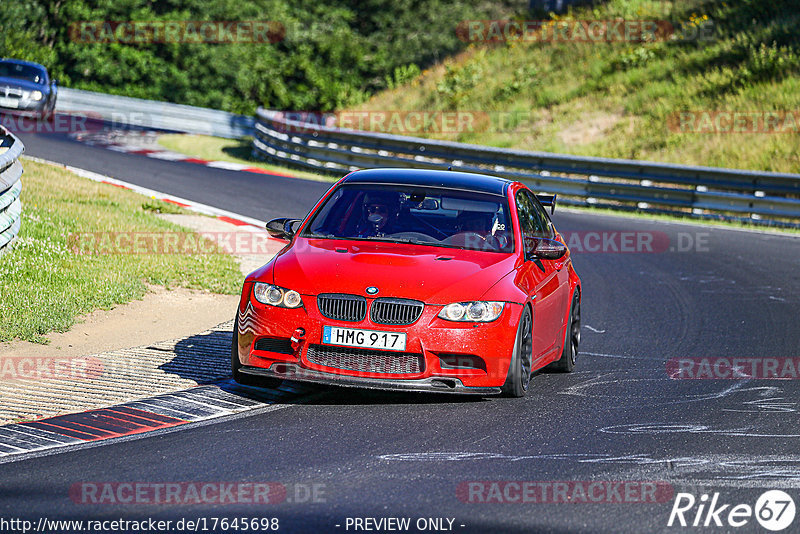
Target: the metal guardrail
(708, 192)
(10, 188)
(127, 112)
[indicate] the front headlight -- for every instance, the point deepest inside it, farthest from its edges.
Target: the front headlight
(477, 311)
(276, 296)
(37, 95)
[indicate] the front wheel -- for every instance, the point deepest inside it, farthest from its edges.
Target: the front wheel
(572, 338)
(519, 372)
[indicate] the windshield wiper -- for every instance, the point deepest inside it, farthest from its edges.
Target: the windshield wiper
(390, 239)
(386, 239)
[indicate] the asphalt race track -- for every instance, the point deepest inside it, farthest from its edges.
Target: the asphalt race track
(718, 293)
(259, 196)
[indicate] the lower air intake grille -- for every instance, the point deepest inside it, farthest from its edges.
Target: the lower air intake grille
(351, 308)
(395, 311)
(272, 344)
(366, 361)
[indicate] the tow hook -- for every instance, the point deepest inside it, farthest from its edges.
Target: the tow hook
(297, 338)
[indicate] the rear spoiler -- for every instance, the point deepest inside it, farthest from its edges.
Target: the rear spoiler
(548, 200)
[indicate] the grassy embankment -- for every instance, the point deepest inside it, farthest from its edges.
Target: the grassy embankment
(45, 284)
(617, 99)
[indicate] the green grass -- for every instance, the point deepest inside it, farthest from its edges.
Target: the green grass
(616, 99)
(45, 283)
(231, 150)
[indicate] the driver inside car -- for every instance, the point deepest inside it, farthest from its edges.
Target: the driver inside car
(379, 214)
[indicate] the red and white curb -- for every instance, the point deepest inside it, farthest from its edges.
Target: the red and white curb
(134, 419)
(157, 414)
(168, 155)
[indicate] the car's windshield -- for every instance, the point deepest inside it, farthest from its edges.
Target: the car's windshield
(29, 73)
(413, 214)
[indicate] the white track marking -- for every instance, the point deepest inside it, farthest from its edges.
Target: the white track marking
(596, 331)
(191, 205)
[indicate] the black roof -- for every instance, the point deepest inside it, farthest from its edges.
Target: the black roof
(424, 177)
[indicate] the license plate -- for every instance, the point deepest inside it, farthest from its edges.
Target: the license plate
(8, 102)
(371, 339)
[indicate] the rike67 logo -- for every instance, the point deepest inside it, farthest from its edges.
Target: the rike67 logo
(774, 510)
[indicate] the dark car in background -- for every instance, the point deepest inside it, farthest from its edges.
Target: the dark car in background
(26, 89)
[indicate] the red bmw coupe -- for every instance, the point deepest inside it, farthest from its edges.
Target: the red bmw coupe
(413, 280)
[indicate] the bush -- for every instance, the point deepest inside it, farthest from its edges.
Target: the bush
(524, 79)
(459, 80)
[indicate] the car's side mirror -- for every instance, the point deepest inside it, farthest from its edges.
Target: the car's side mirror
(543, 248)
(281, 228)
(53, 82)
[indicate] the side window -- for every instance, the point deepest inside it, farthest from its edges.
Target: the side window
(524, 214)
(532, 219)
(541, 215)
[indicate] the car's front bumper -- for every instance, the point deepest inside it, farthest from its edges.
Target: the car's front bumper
(28, 108)
(293, 371)
(486, 347)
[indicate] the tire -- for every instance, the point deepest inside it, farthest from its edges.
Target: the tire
(572, 338)
(236, 365)
(519, 372)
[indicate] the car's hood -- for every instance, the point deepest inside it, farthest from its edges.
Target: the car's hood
(431, 274)
(22, 84)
